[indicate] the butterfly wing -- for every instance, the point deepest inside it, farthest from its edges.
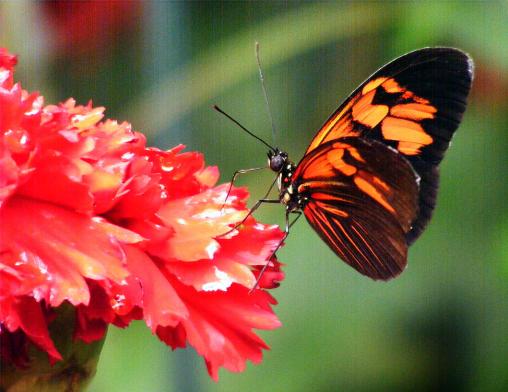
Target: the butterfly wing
(413, 104)
(361, 199)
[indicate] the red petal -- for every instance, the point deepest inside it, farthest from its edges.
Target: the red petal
(220, 325)
(92, 320)
(54, 186)
(7, 60)
(272, 276)
(232, 260)
(262, 240)
(196, 220)
(26, 313)
(14, 348)
(66, 246)
(175, 337)
(8, 174)
(211, 275)
(13, 106)
(161, 304)
(181, 172)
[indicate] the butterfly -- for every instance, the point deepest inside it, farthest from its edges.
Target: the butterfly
(368, 181)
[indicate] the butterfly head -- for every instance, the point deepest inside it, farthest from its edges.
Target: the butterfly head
(277, 160)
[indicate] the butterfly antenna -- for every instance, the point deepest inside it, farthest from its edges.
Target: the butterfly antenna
(262, 79)
(242, 127)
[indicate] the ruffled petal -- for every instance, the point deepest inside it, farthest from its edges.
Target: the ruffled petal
(233, 261)
(220, 325)
(26, 314)
(67, 247)
(162, 306)
(196, 221)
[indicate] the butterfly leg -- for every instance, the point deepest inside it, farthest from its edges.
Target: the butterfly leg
(299, 214)
(255, 207)
(235, 175)
(251, 211)
(286, 233)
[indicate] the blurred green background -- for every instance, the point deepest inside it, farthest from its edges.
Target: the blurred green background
(443, 324)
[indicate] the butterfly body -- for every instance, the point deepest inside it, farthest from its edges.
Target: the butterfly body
(279, 162)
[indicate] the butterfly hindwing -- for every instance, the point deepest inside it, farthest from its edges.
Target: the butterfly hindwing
(413, 104)
(361, 199)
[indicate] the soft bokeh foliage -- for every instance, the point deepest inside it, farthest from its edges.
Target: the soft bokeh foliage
(441, 324)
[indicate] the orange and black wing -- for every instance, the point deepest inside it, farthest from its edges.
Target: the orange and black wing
(362, 197)
(413, 104)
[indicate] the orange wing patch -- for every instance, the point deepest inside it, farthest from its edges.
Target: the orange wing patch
(373, 84)
(410, 134)
(367, 114)
(335, 158)
(374, 187)
(338, 125)
(403, 123)
(327, 164)
(404, 130)
(320, 166)
(400, 121)
(325, 202)
(392, 87)
(413, 111)
(313, 185)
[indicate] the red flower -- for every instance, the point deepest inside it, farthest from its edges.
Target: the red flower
(89, 26)
(92, 217)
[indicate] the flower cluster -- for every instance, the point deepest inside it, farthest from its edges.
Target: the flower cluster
(86, 27)
(90, 216)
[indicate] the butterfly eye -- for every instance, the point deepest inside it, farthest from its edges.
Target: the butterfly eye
(276, 163)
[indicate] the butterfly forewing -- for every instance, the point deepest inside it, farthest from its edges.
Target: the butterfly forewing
(427, 84)
(362, 198)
